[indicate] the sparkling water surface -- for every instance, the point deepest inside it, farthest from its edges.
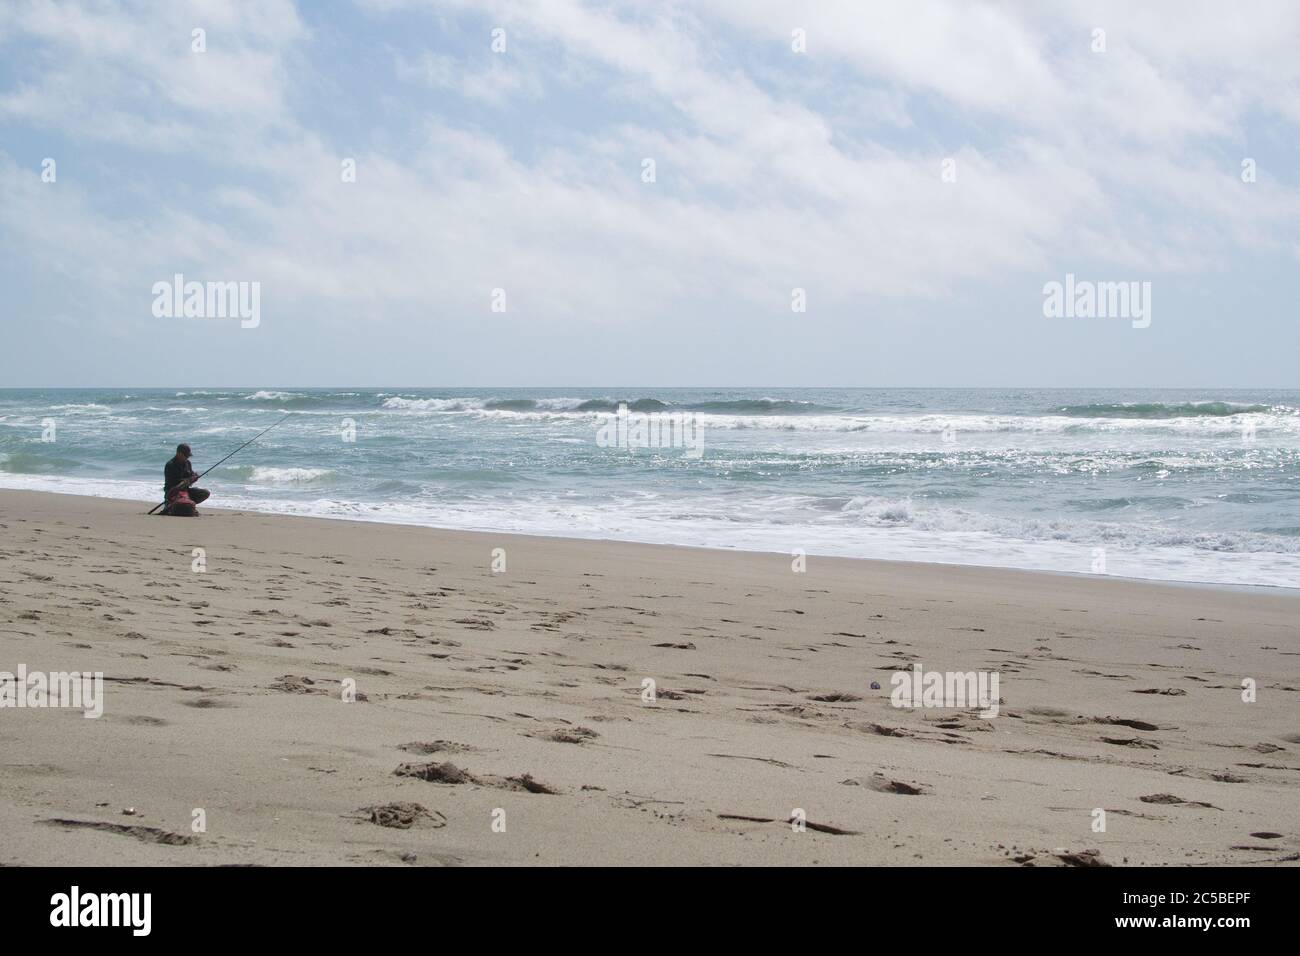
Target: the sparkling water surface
(1188, 485)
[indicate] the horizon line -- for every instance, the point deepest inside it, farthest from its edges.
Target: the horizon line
(1258, 388)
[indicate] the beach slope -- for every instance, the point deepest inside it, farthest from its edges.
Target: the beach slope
(296, 691)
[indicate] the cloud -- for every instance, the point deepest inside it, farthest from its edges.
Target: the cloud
(493, 83)
(522, 170)
(126, 72)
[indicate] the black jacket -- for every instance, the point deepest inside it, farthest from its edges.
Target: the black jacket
(174, 472)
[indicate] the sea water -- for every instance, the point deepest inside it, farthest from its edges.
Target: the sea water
(1187, 485)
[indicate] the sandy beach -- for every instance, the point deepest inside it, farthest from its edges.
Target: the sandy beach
(500, 717)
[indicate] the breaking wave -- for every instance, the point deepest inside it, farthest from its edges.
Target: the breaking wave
(1159, 410)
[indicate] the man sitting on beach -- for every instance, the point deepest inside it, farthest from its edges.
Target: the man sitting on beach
(177, 475)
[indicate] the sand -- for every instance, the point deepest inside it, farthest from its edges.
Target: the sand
(499, 717)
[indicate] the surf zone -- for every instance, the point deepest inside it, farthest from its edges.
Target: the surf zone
(632, 430)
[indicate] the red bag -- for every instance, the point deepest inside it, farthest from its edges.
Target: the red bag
(181, 506)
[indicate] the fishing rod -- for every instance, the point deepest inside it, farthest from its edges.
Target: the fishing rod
(227, 458)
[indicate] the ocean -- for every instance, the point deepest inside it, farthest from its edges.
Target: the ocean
(1194, 485)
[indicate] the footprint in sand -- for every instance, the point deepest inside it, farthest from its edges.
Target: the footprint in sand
(1170, 799)
(567, 735)
(1130, 742)
(144, 834)
(882, 784)
(449, 773)
(436, 746)
(402, 816)
(818, 827)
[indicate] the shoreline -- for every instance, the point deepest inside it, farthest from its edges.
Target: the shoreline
(522, 695)
(227, 509)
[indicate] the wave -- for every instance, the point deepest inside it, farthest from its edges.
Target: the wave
(1158, 410)
(747, 406)
(757, 406)
(83, 407)
(395, 487)
(1206, 419)
(894, 513)
(27, 463)
(299, 401)
(612, 405)
(268, 396)
(261, 475)
(761, 406)
(433, 404)
(957, 425)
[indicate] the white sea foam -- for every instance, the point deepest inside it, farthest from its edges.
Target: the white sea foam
(89, 407)
(260, 475)
(885, 512)
(863, 527)
(433, 404)
(1285, 423)
(265, 396)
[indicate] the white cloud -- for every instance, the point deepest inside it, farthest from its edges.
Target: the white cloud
(125, 72)
(493, 81)
(1076, 157)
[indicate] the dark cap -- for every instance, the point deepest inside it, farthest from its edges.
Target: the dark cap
(183, 450)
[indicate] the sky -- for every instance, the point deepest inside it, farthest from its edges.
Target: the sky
(843, 193)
